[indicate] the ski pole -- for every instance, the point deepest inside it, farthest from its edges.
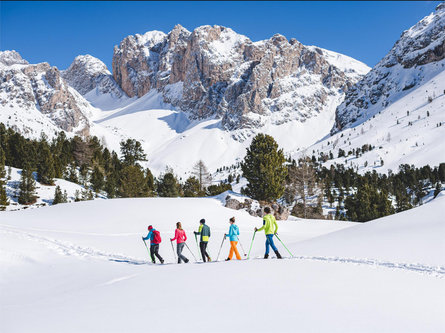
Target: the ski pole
(146, 246)
(239, 241)
(196, 239)
(191, 252)
(284, 245)
(224, 238)
(173, 249)
(248, 256)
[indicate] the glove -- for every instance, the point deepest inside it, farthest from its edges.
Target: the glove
(171, 239)
(256, 229)
(142, 237)
(225, 235)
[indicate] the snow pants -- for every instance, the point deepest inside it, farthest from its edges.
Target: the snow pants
(204, 254)
(234, 249)
(154, 251)
(269, 242)
(179, 248)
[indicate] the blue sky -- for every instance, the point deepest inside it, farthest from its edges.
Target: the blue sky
(56, 32)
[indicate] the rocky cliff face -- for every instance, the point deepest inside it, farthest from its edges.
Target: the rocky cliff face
(88, 73)
(40, 87)
(214, 71)
(414, 59)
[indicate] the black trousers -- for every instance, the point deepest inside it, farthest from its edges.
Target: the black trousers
(154, 251)
(204, 254)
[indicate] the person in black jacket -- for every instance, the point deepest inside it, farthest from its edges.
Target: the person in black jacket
(204, 231)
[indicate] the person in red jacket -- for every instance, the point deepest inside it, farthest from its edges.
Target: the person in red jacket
(180, 237)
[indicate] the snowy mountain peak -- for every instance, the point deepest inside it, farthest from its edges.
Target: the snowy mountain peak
(88, 74)
(214, 71)
(12, 57)
(414, 59)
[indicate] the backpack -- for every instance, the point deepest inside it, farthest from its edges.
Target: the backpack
(156, 237)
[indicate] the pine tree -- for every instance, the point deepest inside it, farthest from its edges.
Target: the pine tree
(132, 152)
(132, 182)
(191, 188)
(59, 197)
(3, 196)
(27, 186)
(264, 169)
(168, 186)
(97, 179)
(45, 165)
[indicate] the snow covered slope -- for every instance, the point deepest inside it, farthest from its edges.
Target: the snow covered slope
(398, 107)
(44, 193)
(415, 59)
(83, 267)
(405, 132)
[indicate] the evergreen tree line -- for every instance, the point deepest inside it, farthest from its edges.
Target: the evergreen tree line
(88, 163)
(362, 197)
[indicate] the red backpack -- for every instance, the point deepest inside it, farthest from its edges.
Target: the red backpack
(156, 237)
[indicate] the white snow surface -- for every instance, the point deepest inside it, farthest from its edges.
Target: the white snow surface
(83, 267)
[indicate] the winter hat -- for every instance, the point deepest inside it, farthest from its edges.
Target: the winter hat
(202, 221)
(150, 227)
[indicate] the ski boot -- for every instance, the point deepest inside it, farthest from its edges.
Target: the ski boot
(266, 256)
(278, 255)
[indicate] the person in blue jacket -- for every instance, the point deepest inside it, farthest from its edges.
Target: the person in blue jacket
(233, 236)
(154, 244)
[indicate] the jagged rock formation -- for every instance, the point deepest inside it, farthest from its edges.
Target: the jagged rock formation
(87, 73)
(214, 71)
(414, 59)
(41, 88)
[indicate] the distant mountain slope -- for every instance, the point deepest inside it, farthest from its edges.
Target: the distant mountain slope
(35, 98)
(415, 58)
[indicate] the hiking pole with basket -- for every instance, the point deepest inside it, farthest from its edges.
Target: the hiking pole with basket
(248, 256)
(173, 249)
(284, 245)
(191, 252)
(224, 238)
(239, 241)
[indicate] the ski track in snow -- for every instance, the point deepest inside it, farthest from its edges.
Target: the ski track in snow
(68, 249)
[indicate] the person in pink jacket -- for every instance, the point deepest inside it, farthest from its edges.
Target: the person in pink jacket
(180, 237)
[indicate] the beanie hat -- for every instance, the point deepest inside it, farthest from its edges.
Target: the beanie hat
(150, 227)
(202, 221)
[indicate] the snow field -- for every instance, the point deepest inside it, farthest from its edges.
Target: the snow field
(83, 267)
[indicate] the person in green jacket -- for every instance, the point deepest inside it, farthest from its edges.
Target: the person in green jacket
(204, 231)
(270, 228)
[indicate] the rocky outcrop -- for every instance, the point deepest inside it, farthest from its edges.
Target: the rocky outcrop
(87, 73)
(214, 71)
(41, 87)
(256, 208)
(415, 58)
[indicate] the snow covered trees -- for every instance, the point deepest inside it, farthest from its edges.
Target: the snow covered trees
(264, 169)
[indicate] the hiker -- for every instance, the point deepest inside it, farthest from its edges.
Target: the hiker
(155, 239)
(180, 238)
(204, 231)
(270, 228)
(233, 237)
